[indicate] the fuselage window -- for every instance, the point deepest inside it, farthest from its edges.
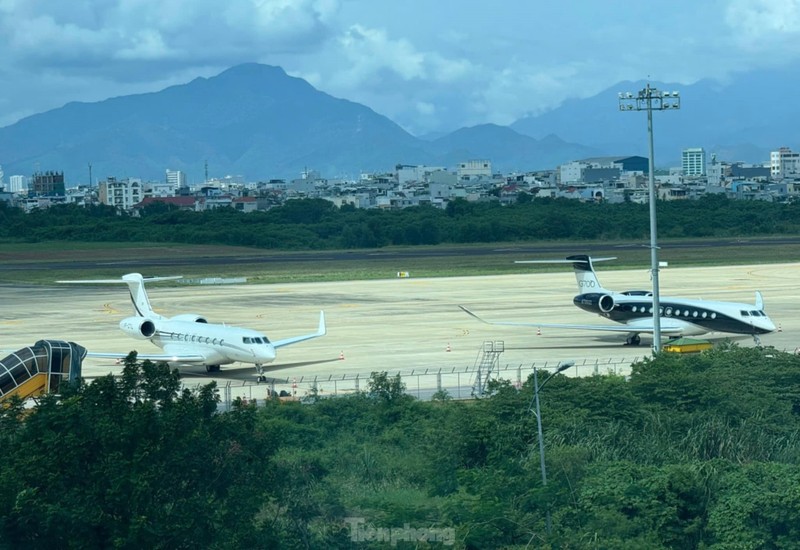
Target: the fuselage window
(668, 311)
(694, 314)
(685, 312)
(713, 315)
(705, 314)
(633, 309)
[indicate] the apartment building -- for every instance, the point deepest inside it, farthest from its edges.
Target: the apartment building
(122, 194)
(784, 163)
(693, 162)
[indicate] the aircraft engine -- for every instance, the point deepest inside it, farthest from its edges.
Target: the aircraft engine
(138, 327)
(594, 301)
(190, 317)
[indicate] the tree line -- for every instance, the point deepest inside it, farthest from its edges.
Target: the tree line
(693, 451)
(311, 224)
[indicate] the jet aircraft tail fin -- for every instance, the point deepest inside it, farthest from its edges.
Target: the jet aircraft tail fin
(135, 282)
(583, 265)
(759, 301)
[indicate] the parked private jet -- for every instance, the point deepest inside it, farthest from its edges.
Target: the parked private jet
(189, 338)
(634, 310)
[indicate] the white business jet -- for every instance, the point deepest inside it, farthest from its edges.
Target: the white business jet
(189, 339)
(634, 310)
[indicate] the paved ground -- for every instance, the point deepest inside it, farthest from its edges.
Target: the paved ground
(393, 324)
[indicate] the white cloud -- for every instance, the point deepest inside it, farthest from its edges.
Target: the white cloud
(427, 65)
(762, 24)
(195, 31)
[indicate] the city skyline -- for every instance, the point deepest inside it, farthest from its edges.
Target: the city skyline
(429, 67)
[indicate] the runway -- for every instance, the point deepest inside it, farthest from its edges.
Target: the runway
(393, 324)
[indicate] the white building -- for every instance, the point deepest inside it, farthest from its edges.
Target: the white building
(407, 173)
(693, 161)
(783, 163)
(122, 194)
(159, 189)
(17, 184)
(571, 172)
(474, 169)
(176, 178)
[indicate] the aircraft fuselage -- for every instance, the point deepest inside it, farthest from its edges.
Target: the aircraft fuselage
(693, 316)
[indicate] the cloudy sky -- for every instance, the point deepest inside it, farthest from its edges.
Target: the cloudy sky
(427, 64)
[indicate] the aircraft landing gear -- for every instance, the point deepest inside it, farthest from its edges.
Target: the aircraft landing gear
(633, 340)
(260, 370)
(757, 339)
(212, 368)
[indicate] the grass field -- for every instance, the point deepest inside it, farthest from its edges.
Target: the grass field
(42, 263)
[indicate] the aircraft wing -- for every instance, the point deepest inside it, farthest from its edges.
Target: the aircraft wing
(641, 325)
(321, 331)
(177, 357)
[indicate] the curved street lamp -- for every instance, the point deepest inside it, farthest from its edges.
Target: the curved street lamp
(536, 389)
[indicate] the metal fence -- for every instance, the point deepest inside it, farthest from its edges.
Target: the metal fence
(458, 382)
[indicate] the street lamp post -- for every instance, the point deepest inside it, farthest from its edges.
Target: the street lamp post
(536, 389)
(650, 99)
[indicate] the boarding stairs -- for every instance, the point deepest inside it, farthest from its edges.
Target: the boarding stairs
(487, 361)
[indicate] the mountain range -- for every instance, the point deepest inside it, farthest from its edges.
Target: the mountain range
(255, 120)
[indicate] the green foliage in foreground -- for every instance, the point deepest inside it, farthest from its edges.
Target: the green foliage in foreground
(313, 224)
(697, 451)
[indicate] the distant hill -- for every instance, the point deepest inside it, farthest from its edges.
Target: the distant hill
(255, 120)
(252, 120)
(742, 119)
(502, 145)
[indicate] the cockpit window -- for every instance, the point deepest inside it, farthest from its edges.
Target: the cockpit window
(756, 313)
(265, 340)
(246, 340)
(745, 313)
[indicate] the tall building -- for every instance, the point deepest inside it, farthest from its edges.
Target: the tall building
(176, 178)
(783, 163)
(120, 193)
(47, 184)
(693, 161)
(17, 184)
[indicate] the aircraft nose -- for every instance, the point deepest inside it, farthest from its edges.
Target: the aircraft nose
(267, 354)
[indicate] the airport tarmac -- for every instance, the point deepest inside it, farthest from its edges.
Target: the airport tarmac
(396, 324)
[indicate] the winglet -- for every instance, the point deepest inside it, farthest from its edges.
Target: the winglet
(468, 312)
(759, 300)
(321, 331)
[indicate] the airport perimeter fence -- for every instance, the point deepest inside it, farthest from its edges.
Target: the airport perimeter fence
(458, 382)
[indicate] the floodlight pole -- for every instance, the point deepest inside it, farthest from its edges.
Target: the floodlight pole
(649, 99)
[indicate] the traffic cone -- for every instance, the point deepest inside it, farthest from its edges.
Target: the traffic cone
(447, 349)
(779, 328)
(538, 331)
(341, 356)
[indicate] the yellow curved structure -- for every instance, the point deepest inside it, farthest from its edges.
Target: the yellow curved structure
(40, 368)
